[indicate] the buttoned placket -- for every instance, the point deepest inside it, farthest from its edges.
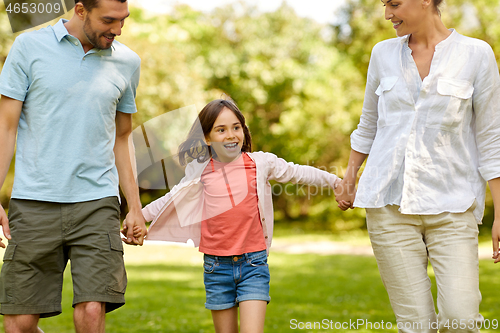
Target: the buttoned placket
(411, 154)
(73, 40)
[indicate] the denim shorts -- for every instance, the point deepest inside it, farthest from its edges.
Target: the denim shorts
(233, 279)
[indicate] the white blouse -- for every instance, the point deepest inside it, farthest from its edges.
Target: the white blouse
(431, 150)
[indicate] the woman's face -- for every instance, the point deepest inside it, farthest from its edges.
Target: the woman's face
(405, 15)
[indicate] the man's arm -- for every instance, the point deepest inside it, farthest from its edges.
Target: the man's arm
(10, 112)
(127, 179)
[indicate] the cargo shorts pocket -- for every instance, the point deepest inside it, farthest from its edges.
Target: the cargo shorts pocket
(118, 276)
(8, 275)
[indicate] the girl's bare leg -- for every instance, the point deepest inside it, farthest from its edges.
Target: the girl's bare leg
(252, 316)
(225, 321)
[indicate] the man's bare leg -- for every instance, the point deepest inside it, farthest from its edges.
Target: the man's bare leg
(89, 317)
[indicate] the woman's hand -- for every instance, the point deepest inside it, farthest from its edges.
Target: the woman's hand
(495, 237)
(495, 229)
(345, 193)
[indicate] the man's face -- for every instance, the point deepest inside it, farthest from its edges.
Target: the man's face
(104, 22)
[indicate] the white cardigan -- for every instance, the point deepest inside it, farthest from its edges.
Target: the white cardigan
(177, 216)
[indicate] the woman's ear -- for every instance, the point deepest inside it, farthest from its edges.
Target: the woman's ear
(426, 3)
(207, 141)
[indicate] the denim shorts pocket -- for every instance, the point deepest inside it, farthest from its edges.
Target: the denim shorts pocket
(208, 267)
(259, 261)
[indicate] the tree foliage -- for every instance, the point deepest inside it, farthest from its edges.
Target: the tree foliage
(299, 83)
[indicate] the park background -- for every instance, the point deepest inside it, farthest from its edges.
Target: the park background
(300, 83)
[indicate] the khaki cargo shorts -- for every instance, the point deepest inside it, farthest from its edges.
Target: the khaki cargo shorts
(45, 235)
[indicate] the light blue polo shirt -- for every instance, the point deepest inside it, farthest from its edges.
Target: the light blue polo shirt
(67, 128)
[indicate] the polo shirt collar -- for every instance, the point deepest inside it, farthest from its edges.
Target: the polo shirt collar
(60, 31)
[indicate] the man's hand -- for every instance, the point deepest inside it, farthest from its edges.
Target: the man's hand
(134, 228)
(4, 221)
(495, 237)
(345, 193)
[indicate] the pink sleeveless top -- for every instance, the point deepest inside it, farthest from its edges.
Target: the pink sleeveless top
(231, 221)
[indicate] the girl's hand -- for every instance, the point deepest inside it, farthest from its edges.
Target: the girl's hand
(137, 231)
(495, 237)
(345, 193)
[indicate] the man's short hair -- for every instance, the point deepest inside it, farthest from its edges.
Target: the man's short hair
(91, 4)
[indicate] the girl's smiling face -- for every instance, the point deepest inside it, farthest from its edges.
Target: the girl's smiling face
(226, 137)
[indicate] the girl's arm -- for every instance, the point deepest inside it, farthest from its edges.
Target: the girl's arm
(151, 210)
(495, 230)
(284, 172)
(345, 193)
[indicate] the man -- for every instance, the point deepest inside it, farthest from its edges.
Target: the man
(69, 93)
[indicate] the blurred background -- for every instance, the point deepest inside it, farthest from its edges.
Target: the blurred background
(297, 71)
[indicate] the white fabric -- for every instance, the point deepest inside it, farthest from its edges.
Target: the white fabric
(402, 245)
(434, 155)
(177, 216)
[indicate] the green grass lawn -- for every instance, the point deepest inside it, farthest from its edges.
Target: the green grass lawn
(166, 294)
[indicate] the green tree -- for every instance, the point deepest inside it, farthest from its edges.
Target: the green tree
(361, 25)
(301, 96)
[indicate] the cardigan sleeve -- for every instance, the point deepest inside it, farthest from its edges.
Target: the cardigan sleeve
(151, 210)
(283, 172)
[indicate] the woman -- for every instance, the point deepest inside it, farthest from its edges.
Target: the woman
(430, 128)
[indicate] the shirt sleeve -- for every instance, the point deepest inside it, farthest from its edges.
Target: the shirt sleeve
(486, 105)
(362, 138)
(151, 211)
(14, 79)
(284, 172)
(127, 101)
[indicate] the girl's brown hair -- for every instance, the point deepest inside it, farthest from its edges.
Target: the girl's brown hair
(195, 147)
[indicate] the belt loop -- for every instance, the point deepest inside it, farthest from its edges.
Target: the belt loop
(246, 257)
(216, 260)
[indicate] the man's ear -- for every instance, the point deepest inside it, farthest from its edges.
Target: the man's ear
(80, 11)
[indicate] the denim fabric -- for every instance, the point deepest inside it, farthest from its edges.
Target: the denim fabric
(233, 279)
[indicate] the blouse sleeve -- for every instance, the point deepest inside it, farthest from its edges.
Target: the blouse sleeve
(362, 138)
(486, 105)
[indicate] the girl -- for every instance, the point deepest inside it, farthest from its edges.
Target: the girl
(431, 127)
(224, 205)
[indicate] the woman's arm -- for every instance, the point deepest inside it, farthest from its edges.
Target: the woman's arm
(345, 193)
(495, 230)
(362, 138)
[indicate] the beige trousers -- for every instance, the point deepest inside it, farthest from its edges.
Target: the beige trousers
(403, 244)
